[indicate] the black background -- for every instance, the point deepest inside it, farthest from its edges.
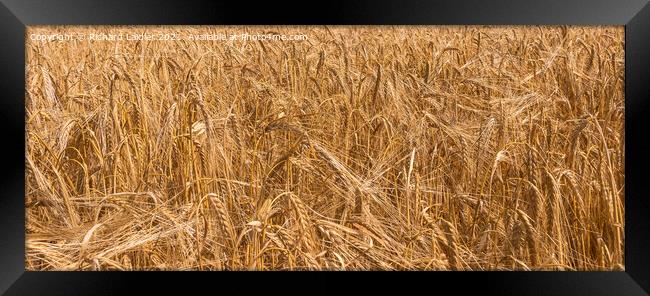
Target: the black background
(16, 14)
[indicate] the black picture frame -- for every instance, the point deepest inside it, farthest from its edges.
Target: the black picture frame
(15, 15)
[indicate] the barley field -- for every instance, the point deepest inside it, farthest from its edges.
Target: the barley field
(359, 148)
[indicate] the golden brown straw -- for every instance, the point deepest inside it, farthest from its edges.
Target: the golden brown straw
(360, 148)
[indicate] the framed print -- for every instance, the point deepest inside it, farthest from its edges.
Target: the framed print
(450, 141)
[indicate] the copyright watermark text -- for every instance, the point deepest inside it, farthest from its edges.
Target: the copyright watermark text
(166, 37)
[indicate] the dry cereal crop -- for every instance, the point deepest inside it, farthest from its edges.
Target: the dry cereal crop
(339, 148)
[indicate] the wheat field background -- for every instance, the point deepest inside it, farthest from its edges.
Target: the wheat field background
(361, 148)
